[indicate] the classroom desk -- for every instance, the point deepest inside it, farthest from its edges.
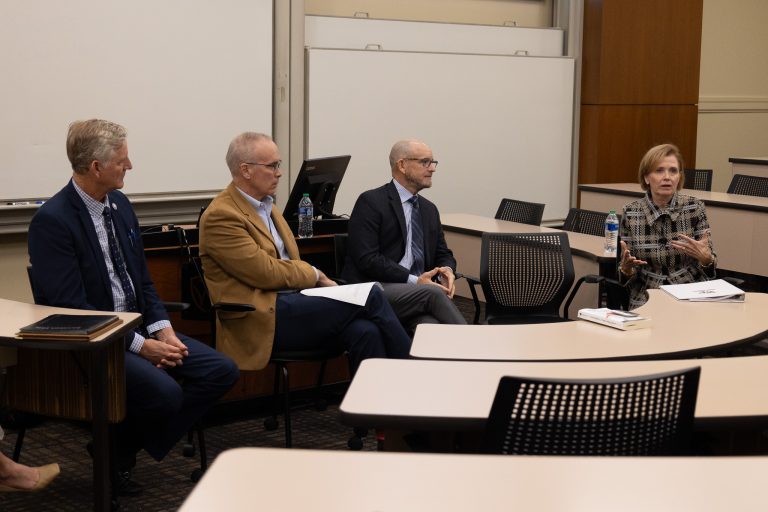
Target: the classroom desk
(463, 233)
(756, 166)
(325, 480)
(456, 396)
(678, 329)
(739, 223)
(104, 368)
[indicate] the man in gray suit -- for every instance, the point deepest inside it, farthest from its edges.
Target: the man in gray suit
(396, 238)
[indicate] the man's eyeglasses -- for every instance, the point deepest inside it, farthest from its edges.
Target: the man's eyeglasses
(425, 162)
(274, 166)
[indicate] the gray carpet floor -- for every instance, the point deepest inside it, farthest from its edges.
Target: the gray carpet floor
(167, 483)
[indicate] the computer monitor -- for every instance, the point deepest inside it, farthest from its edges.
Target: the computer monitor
(320, 178)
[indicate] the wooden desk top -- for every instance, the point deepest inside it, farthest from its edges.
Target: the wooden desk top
(721, 199)
(326, 480)
(14, 315)
(584, 245)
(457, 395)
(678, 329)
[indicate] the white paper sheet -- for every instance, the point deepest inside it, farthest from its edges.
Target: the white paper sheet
(715, 290)
(351, 293)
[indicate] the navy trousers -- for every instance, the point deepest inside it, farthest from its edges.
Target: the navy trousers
(373, 330)
(163, 404)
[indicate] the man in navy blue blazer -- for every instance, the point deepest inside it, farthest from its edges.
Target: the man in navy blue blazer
(86, 252)
(415, 266)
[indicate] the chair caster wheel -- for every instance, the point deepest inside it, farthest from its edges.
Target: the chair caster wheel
(196, 475)
(355, 443)
(188, 450)
(270, 424)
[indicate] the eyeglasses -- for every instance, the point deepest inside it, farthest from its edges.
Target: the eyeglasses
(274, 166)
(425, 162)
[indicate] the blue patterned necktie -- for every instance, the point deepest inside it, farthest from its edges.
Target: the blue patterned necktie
(118, 263)
(417, 238)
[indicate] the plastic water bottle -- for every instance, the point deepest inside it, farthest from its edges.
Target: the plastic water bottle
(306, 212)
(611, 233)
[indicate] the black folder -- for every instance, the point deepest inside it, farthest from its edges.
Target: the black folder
(80, 327)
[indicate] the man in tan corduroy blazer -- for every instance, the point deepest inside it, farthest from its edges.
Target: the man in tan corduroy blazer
(249, 255)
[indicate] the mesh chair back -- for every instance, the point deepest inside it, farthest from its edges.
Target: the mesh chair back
(650, 415)
(589, 222)
(525, 275)
(698, 179)
(520, 211)
(748, 185)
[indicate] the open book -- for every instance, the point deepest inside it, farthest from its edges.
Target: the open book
(705, 291)
(624, 320)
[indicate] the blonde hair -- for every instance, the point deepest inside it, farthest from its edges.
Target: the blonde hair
(94, 139)
(653, 157)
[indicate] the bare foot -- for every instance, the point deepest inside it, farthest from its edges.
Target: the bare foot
(19, 476)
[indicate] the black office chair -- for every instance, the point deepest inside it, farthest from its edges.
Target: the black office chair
(589, 222)
(612, 293)
(748, 185)
(520, 211)
(698, 179)
(194, 287)
(649, 415)
(524, 276)
(339, 254)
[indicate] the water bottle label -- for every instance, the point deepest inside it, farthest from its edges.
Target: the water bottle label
(611, 226)
(305, 210)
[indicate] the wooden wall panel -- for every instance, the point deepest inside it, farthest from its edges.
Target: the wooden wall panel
(615, 137)
(640, 84)
(641, 52)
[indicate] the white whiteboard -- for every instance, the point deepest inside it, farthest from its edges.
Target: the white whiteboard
(500, 126)
(183, 76)
(357, 33)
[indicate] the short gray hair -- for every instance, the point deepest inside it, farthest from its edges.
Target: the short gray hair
(239, 148)
(94, 139)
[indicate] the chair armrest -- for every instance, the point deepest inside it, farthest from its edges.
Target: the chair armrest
(472, 282)
(233, 306)
(735, 281)
(589, 278)
(594, 279)
(174, 307)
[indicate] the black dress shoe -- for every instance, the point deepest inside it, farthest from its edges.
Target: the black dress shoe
(122, 485)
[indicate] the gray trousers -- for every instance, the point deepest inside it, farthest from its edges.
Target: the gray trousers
(415, 304)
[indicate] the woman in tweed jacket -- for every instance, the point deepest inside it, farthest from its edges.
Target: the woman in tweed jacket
(665, 236)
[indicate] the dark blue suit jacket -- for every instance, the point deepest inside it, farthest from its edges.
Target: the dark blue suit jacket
(377, 235)
(68, 267)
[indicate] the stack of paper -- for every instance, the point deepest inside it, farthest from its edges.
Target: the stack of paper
(624, 320)
(715, 290)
